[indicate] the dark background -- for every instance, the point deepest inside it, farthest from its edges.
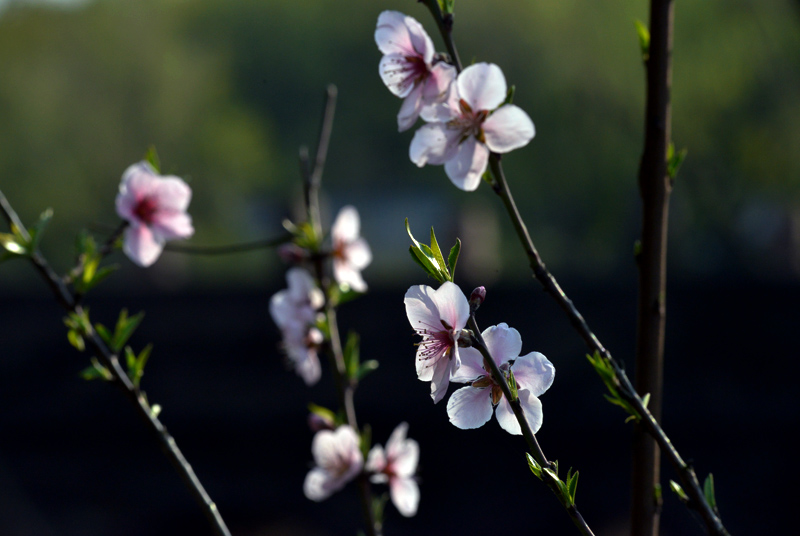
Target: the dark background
(227, 90)
(75, 460)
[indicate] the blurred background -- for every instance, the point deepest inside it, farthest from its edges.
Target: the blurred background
(228, 90)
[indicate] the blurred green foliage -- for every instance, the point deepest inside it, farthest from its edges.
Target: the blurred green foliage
(227, 90)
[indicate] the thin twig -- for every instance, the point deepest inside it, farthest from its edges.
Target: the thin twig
(345, 388)
(527, 433)
(697, 500)
(244, 247)
(655, 189)
(121, 379)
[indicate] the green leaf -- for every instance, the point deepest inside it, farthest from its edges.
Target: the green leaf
(96, 372)
(646, 399)
(125, 328)
(678, 490)
(37, 229)
(510, 95)
(76, 340)
(99, 276)
(103, 332)
(644, 39)
(351, 355)
(708, 491)
(12, 244)
(674, 160)
(437, 255)
(324, 413)
(136, 363)
(572, 486)
(452, 258)
(512, 385)
(151, 157)
(365, 368)
(536, 469)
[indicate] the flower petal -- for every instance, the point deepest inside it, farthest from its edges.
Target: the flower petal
(410, 109)
(433, 144)
(452, 305)
(471, 366)
(172, 225)
(421, 310)
(503, 342)
(440, 378)
(531, 407)
(405, 495)
(534, 372)
(141, 245)
(392, 35)
(397, 74)
(482, 86)
(507, 129)
(466, 167)
(470, 408)
(172, 194)
(376, 460)
(317, 485)
(347, 225)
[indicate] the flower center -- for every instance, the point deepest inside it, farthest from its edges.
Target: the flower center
(469, 122)
(407, 72)
(145, 209)
(488, 381)
(436, 342)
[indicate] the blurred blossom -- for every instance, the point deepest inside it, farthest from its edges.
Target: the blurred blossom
(408, 67)
(338, 460)
(155, 209)
(471, 406)
(438, 316)
(294, 311)
(396, 466)
(470, 125)
(351, 253)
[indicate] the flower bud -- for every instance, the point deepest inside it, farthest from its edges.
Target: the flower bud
(476, 298)
(317, 422)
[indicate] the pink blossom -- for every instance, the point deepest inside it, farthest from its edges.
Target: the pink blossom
(471, 406)
(155, 209)
(471, 126)
(351, 253)
(397, 465)
(409, 68)
(338, 460)
(294, 310)
(438, 316)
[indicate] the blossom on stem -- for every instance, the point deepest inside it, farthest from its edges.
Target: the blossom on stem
(351, 253)
(338, 460)
(409, 69)
(471, 406)
(155, 209)
(472, 124)
(438, 316)
(294, 311)
(396, 466)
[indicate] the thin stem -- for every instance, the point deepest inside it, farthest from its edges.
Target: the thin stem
(445, 24)
(345, 387)
(121, 379)
(686, 473)
(527, 433)
(655, 188)
(244, 247)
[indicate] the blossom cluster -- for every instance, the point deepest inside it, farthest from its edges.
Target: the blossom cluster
(439, 316)
(467, 116)
(338, 460)
(294, 310)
